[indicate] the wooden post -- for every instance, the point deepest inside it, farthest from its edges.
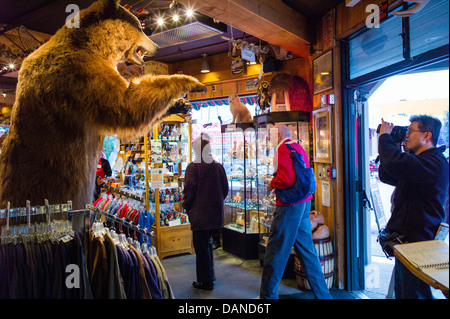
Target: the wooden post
(147, 188)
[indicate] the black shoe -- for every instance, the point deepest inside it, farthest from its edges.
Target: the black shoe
(203, 285)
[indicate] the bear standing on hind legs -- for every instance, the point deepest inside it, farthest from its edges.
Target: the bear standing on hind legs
(69, 95)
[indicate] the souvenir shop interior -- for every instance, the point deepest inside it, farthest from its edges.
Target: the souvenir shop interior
(134, 239)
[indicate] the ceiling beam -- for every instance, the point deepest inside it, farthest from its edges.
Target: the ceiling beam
(269, 20)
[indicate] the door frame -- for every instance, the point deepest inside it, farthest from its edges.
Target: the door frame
(354, 180)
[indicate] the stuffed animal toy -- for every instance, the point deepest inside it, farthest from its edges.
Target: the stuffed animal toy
(316, 219)
(263, 97)
(70, 95)
(240, 112)
(319, 230)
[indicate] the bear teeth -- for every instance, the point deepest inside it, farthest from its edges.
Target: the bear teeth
(140, 52)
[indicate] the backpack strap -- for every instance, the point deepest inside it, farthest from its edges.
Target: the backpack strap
(294, 153)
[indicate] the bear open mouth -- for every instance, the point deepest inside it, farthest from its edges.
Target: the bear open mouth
(139, 54)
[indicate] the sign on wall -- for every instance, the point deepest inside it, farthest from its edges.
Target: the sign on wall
(155, 67)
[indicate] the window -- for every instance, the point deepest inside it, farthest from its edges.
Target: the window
(376, 48)
(429, 27)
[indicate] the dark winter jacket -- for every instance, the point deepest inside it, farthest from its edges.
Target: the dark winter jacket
(205, 189)
(421, 184)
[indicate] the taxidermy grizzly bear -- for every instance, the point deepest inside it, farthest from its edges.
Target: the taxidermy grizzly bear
(69, 95)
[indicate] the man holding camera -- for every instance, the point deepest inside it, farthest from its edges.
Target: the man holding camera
(420, 177)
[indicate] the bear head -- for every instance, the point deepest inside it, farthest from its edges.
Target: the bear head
(105, 18)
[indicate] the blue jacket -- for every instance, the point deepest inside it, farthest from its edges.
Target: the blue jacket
(421, 184)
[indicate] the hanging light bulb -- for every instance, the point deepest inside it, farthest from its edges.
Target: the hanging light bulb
(205, 65)
(175, 17)
(160, 21)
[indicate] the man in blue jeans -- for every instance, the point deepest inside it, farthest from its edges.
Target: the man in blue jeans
(291, 226)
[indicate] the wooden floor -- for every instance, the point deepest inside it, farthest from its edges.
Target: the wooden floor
(236, 278)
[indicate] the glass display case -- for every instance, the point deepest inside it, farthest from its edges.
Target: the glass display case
(298, 123)
(240, 232)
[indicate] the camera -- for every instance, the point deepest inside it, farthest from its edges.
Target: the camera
(398, 133)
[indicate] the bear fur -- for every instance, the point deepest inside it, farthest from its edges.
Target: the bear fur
(239, 111)
(69, 96)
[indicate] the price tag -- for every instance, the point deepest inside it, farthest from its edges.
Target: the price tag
(175, 222)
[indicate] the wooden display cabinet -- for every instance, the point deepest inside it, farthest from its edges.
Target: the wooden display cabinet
(169, 239)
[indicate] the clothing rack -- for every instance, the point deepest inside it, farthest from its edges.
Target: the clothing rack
(46, 210)
(123, 193)
(23, 216)
(44, 276)
(122, 221)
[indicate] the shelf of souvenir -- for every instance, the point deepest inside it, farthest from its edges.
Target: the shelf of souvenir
(172, 229)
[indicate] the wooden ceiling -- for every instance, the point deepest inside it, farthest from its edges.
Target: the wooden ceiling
(289, 24)
(269, 20)
(286, 23)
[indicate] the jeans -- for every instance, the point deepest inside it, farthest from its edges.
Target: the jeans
(408, 285)
(204, 255)
(291, 227)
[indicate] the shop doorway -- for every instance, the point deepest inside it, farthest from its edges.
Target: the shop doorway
(370, 58)
(395, 99)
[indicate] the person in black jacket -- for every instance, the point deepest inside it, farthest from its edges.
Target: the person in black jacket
(420, 177)
(205, 189)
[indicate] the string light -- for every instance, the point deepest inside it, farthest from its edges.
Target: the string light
(176, 16)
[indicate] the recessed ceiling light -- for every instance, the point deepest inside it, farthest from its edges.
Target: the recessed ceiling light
(189, 13)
